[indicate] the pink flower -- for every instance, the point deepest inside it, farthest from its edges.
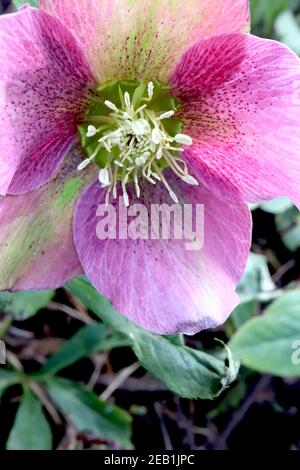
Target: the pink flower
(89, 65)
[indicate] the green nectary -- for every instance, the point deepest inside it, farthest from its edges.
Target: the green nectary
(130, 133)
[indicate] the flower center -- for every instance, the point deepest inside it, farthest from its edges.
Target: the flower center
(131, 134)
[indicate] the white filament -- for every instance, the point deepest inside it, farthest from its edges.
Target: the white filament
(140, 140)
(104, 177)
(183, 139)
(91, 131)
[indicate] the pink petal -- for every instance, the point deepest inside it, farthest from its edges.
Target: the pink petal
(43, 91)
(36, 243)
(142, 39)
(158, 283)
(241, 98)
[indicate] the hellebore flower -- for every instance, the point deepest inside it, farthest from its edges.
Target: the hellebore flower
(155, 101)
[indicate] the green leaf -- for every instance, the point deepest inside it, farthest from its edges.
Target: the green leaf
(178, 340)
(7, 379)
(99, 305)
(116, 340)
(231, 401)
(87, 341)
(185, 371)
(276, 206)
(89, 414)
(5, 324)
(242, 313)
(263, 14)
(23, 305)
(31, 430)
(257, 283)
(271, 343)
(19, 3)
(288, 31)
(288, 226)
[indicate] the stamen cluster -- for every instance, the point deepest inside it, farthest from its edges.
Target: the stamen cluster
(137, 146)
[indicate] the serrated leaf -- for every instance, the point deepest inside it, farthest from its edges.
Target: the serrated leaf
(271, 343)
(185, 371)
(89, 414)
(31, 430)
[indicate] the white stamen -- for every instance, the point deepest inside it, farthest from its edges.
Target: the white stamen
(141, 108)
(155, 175)
(137, 188)
(115, 137)
(166, 115)
(140, 161)
(190, 180)
(183, 139)
(159, 153)
(174, 149)
(106, 146)
(111, 106)
(174, 197)
(139, 127)
(152, 147)
(104, 177)
(127, 99)
(136, 139)
(145, 124)
(126, 199)
(150, 89)
(91, 131)
(105, 137)
(84, 164)
(156, 136)
(115, 190)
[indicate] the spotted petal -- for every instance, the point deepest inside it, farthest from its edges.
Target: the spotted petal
(36, 243)
(161, 284)
(142, 39)
(241, 105)
(44, 79)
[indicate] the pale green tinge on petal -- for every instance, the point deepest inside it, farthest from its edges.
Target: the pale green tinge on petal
(69, 191)
(129, 39)
(36, 243)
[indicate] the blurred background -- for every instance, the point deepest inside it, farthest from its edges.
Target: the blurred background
(70, 381)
